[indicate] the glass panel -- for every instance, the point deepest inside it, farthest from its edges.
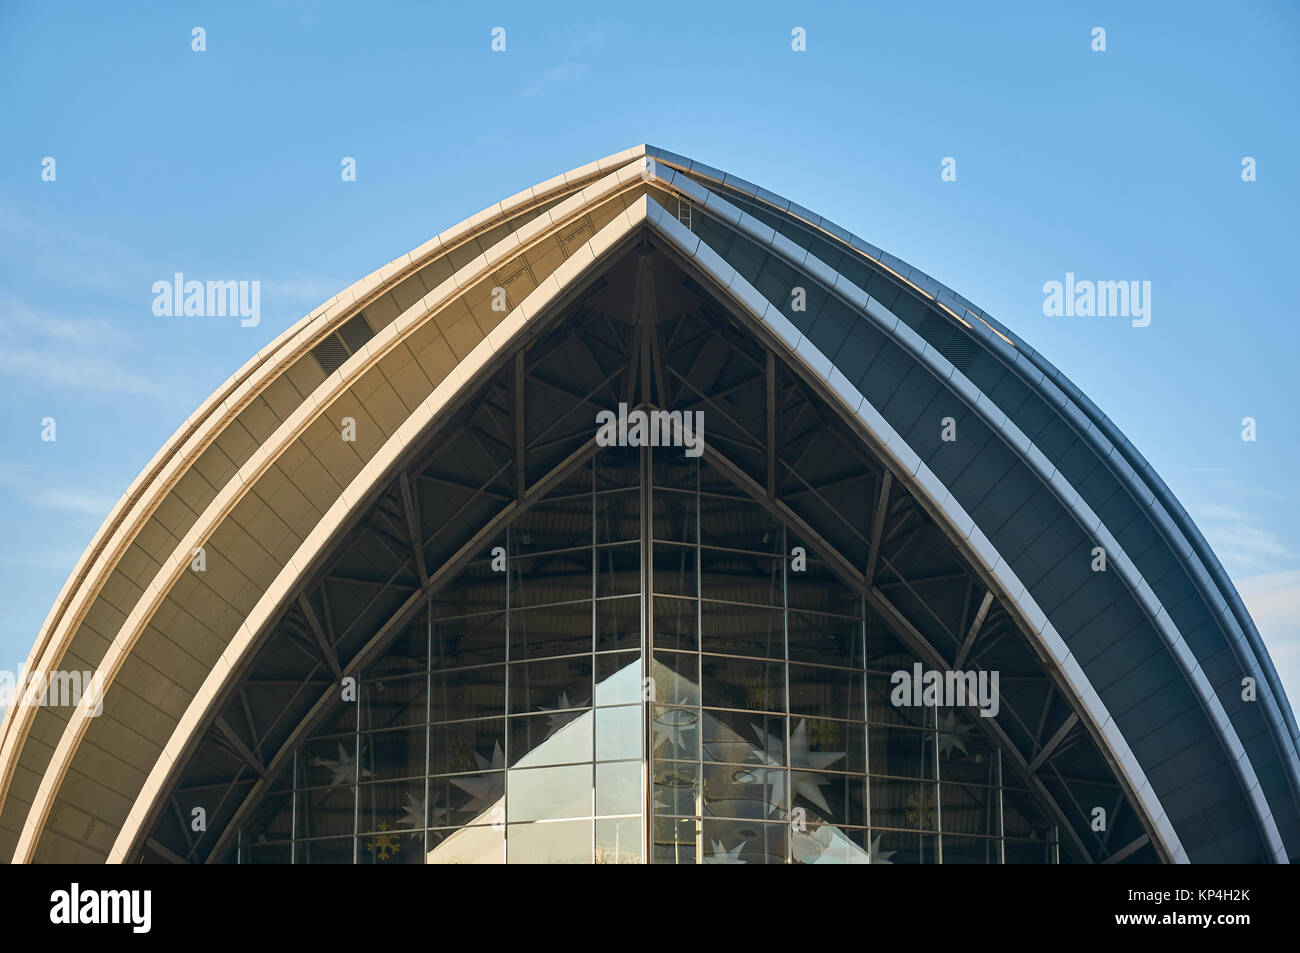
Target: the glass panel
(618, 788)
(898, 847)
(744, 737)
(838, 799)
(466, 746)
(391, 702)
(394, 754)
(676, 732)
(743, 842)
(329, 762)
(558, 738)
(674, 516)
(478, 588)
(618, 678)
(740, 683)
(618, 570)
(744, 791)
(618, 517)
(674, 569)
(617, 468)
(271, 821)
(336, 850)
(618, 623)
(618, 841)
(828, 844)
(739, 524)
(546, 793)
(741, 577)
(550, 578)
(554, 630)
(568, 842)
(881, 708)
(322, 813)
(676, 471)
(468, 798)
(468, 693)
(677, 788)
(383, 808)
(822, 743)
(618, 733)
(675, 840)
(902, 752)
(1028, 852)
(477, 640)
(675, 624)
(818, 589)
(828, 640)
(407, 655)
(468, 845)
(556, 685)
(742, 630)
(968, 809)
(907, 805)
(553, 525)
(965, 754)
(826, 692)
(269, 853)
(676, 678)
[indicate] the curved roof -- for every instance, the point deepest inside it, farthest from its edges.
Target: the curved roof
(1151, 654)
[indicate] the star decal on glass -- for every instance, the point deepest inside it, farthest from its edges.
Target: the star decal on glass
(805, 784)
(343, 770)
(721, 855)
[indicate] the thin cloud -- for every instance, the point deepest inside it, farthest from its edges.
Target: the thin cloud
(1240, 539)
(548, 79)
(1274, 603)
(69, 257)
(34, 489)
(67, 354)
(584, 41)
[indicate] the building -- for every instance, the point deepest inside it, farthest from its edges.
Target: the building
(634, 519)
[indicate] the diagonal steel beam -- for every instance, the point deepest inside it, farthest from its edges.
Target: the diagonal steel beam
(165, 852)
(985, 604)
(1054, 742)
(413, 526)
(878, 524)
(237, 745)
(1131, 847)
(326, 650)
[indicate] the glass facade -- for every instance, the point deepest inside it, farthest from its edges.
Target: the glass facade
(645, 666)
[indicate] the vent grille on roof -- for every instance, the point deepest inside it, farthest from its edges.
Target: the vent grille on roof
(356, 333)
(338, 347)
(949, 340)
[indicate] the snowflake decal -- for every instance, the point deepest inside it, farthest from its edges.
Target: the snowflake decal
(384, 844)
(920, 811)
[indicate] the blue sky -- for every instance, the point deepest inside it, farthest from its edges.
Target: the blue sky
(1122, 165)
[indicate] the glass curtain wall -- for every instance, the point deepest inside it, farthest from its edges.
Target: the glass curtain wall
(694, 686)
